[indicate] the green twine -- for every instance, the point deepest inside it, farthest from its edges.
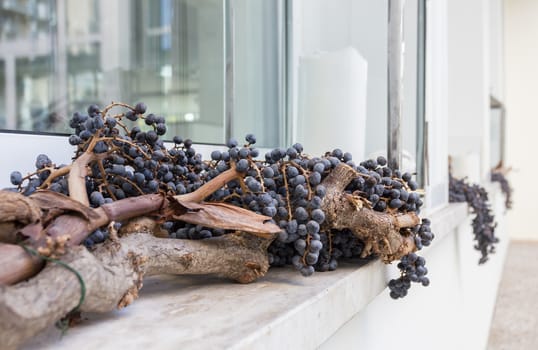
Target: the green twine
(63, 323)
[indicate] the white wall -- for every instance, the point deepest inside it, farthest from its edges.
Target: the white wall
(521, 55)
(496, 47)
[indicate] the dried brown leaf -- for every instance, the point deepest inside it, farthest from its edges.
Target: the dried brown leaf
(15, 207)
(223, 216)
(17, 211)
(54, 204)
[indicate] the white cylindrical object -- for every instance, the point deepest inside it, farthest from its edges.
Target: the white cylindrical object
(466, 165)
(332, 102)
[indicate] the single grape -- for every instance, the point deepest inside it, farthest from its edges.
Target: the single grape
(140, 108)
(242, 165)
(15, 178)
(250, 138)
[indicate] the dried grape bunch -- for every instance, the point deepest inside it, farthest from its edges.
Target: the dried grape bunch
(484, 222)
(286, 185)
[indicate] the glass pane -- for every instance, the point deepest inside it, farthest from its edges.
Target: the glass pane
(258, 71)
(167, 53)
(178, 65)
(342, 76)
(24, 19)
(2, 95)
(34, 91)
(25, 50)
(82, 18)
(371, 19)
(409, 103)
(84, 74)
(495, 137)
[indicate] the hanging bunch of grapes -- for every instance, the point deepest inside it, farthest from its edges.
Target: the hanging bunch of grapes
(483, 223)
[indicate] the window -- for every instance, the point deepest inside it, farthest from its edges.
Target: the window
(340, 73)
(341, 80)
(213, 68)
(218, 69)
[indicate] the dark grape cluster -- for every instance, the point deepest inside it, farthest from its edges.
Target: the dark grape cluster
(43, 166)
(98, 236)
(304, 242)
(384, 188)
(505, 187)
(412, 269)
(285, 184)
(484, 222)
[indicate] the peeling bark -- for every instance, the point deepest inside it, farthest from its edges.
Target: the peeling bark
(16, 212)
(381, 232)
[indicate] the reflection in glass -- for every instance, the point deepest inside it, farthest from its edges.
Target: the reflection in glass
(178, 65)
(169, 54)
(24, 19)
(409, 104)
(84, 76)
(495, 137)
(342, 76)
(36, 105)
(2, 95)
(82, 18)
(258, 72)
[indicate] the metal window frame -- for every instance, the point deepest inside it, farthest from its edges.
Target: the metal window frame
(395, 88)
(422, 124)
(395, 61)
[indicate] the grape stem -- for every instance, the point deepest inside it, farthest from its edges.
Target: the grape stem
(77, 176)
(55, 174)
(285, 177)
(210, 187)
(305, 174)
(260, 177)
(116, 104)
(105, 181)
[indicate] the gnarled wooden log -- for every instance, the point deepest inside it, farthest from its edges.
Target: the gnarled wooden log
(381, 232)
(113, 274)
